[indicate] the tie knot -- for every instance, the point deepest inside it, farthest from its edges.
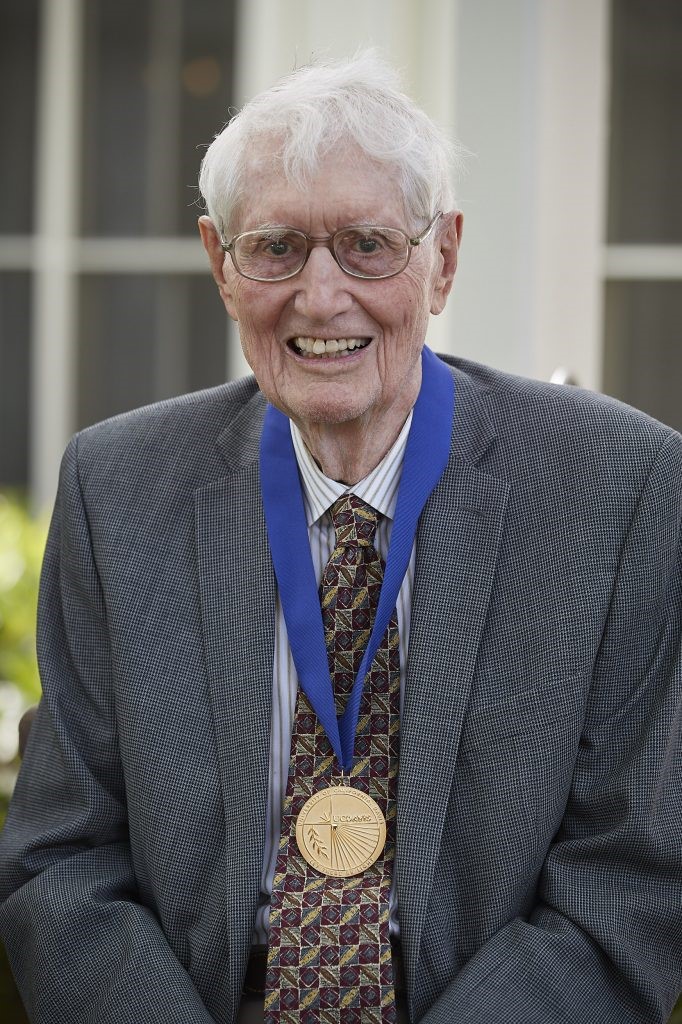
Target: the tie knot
(354, 520)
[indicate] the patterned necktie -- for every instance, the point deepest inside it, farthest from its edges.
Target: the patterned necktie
(329, 955)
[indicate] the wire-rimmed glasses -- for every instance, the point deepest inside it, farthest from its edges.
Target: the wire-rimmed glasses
(361, 250)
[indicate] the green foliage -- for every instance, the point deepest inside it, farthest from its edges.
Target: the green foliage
(22, 542)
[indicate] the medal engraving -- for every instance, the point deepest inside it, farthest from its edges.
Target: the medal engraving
(340, 831)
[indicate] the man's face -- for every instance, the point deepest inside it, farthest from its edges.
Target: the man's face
(380, 378)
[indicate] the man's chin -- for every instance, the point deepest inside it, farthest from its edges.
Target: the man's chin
(331, 413)
(325, 406)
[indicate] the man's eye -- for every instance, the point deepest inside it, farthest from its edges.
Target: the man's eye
(364, 244)
(367, 245)
(277, 247)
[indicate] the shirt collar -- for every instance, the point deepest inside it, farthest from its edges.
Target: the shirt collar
(379, 488)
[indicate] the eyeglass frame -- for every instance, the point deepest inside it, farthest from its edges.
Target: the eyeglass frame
(328, 242)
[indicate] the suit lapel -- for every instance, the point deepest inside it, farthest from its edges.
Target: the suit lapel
(237, 588)
(457, 544)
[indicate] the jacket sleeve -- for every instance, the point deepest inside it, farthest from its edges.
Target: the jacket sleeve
(81, 946)
(604, 940)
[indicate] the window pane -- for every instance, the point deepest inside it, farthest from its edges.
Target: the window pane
(15, 298)
(643, 347)
(206, 93)
(645, 163)
(158, 83)
(18, 63)
(143, 338)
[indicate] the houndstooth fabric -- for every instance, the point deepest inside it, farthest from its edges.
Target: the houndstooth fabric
(329, 957)
(539, 808)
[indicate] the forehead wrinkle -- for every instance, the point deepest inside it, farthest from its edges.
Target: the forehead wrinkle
(340, 194)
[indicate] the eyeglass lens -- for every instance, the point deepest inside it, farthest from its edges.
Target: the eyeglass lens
(363, 252)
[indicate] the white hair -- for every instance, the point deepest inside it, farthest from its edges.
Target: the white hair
(356, 101)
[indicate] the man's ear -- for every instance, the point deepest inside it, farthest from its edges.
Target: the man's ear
(448, 242)
(217, 256)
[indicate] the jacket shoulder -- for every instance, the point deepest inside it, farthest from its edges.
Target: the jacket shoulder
(176, 439)
(522, 404)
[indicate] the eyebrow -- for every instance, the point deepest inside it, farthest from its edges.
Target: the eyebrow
(271, 226)
(268, 226)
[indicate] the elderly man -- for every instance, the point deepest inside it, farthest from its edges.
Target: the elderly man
(361, 676)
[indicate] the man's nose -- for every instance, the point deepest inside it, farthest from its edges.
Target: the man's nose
(323, 290)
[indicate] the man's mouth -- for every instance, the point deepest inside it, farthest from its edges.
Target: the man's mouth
(334, 348)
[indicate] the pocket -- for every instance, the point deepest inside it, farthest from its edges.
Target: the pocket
(531, 712)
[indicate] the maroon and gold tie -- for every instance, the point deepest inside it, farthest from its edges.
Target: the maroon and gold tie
(329, 955)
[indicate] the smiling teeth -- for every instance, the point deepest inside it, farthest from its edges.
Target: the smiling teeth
(332, 347)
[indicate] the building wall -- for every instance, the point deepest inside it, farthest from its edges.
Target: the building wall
(105, 298)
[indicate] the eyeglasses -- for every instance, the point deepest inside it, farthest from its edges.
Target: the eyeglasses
(361, 250)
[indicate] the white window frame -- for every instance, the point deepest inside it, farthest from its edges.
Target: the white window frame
(528, 296)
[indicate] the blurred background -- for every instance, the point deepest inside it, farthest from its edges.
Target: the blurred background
(571, 266)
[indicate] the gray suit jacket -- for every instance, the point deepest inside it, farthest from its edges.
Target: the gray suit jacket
(539, 860)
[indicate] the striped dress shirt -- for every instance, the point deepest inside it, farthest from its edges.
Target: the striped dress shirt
(380, 490)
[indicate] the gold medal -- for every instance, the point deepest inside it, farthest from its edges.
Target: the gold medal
(340, 831)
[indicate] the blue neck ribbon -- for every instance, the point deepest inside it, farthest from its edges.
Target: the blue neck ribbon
(426, 455)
